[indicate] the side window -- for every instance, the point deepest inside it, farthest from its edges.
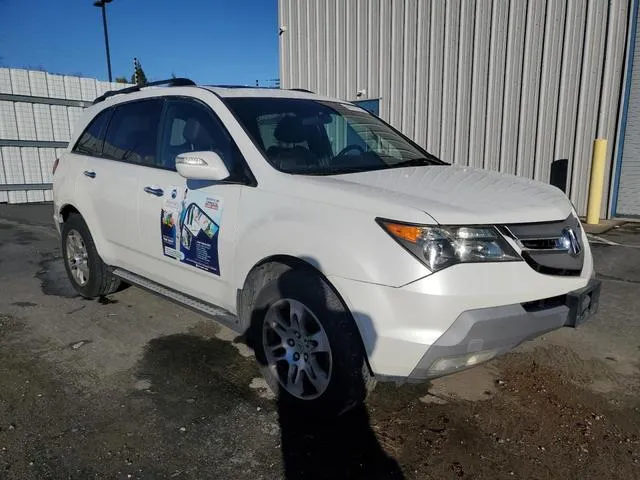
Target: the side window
(90, 142)
(190, 126)
(133, 132)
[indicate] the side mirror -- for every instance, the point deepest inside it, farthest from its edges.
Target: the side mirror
(201, 166)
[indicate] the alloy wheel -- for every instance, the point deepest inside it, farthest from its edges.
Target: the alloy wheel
(297, 349)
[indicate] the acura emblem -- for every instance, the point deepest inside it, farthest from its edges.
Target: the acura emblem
(570, 242)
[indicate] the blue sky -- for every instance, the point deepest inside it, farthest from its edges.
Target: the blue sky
(209, 41)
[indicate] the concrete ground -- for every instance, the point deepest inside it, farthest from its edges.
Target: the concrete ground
(133, 386)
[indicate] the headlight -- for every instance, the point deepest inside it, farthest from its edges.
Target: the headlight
(439, 247)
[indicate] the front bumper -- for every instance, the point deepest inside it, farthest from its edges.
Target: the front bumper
(465, 309)
(480, 335)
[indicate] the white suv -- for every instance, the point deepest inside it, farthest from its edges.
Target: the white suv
(343, 250)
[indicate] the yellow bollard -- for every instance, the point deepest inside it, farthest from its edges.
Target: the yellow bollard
(597, 180)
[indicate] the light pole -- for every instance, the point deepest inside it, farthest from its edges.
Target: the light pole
(102, 4)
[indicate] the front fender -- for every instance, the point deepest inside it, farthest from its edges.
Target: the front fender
(338, 242)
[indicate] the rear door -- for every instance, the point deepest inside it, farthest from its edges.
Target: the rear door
(129, 150)
(189, 228)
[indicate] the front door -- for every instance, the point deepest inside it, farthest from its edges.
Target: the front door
(111, 177)
(188, 228)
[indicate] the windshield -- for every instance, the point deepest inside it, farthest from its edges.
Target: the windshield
(324, 138)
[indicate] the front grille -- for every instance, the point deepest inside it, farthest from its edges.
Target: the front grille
(551, 248)
(545, 303)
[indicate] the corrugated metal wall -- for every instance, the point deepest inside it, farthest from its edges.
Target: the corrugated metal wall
(505, 85)
(38, 112)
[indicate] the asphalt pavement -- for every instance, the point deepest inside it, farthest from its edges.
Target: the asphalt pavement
(134, 386)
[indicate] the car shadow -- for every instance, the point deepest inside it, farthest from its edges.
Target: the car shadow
(319, 446)
(344, 447)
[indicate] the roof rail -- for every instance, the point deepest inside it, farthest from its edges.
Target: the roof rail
(239, 86)
(301, 90)
(171, 82)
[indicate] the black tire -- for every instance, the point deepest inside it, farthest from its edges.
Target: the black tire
(100, 281)
(350, 378)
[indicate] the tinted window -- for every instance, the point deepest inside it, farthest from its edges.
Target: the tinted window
(90, 142)
(133, 132)
(324, 138)
(190, 126)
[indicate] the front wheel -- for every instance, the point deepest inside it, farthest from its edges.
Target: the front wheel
(308, 345)
(87, 272)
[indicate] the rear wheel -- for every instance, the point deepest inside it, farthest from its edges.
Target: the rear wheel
(87, 272)
(308, 345)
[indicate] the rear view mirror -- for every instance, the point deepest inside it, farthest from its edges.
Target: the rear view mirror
(201, 166)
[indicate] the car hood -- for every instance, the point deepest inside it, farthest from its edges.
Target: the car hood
(453, 194)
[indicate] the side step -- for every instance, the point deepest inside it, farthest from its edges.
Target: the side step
(219, 314)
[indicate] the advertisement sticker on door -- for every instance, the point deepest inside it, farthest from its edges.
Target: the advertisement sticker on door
(190, 225)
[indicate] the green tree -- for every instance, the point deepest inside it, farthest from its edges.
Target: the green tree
(122, 80)
(138, 74)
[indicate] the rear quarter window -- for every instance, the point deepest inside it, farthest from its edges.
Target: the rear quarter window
(90, 142)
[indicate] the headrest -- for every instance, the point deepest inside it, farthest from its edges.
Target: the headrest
(290, 130)
(195, 134)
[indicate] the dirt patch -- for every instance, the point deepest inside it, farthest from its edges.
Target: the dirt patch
(539, 424)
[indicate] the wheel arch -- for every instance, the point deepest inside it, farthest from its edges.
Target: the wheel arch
(270, 268)
(68, 209)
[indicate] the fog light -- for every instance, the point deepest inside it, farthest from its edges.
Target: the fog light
(450, 364)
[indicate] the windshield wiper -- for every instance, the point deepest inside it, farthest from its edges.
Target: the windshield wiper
(414, 162)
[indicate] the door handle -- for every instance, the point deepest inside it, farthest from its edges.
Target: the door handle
(89, 173)
(158, 192)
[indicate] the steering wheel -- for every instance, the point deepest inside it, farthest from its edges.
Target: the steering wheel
(348, 148)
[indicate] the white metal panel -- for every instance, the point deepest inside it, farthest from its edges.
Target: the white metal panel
(38, 83)
(303, 30)
(629, 189)
(513, 86)
(385, 59)
(44, 127)
(55, 86)
(463, 100)
(436, 53)
(362, 51)
(495, 93)
(569, 83)
(332, 55)
(321, 32)
(422, 71)
(12, 162)
(74, 114)
(373, 50)
(408, 92)
(589, 100)
(72, 88)
(5, 80)
(479, 82)
(449, 80)
(534, 38)
(32, 172)
(312, 45)
(20, 82)
(351, 50)
(619, 13)
(88, 89)
(342, 62)
(47, 158)
(25, 121)
(102, 87)
(396, 54)
(8, 125)
(4, 198)
(549, 85)
(60, 121)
